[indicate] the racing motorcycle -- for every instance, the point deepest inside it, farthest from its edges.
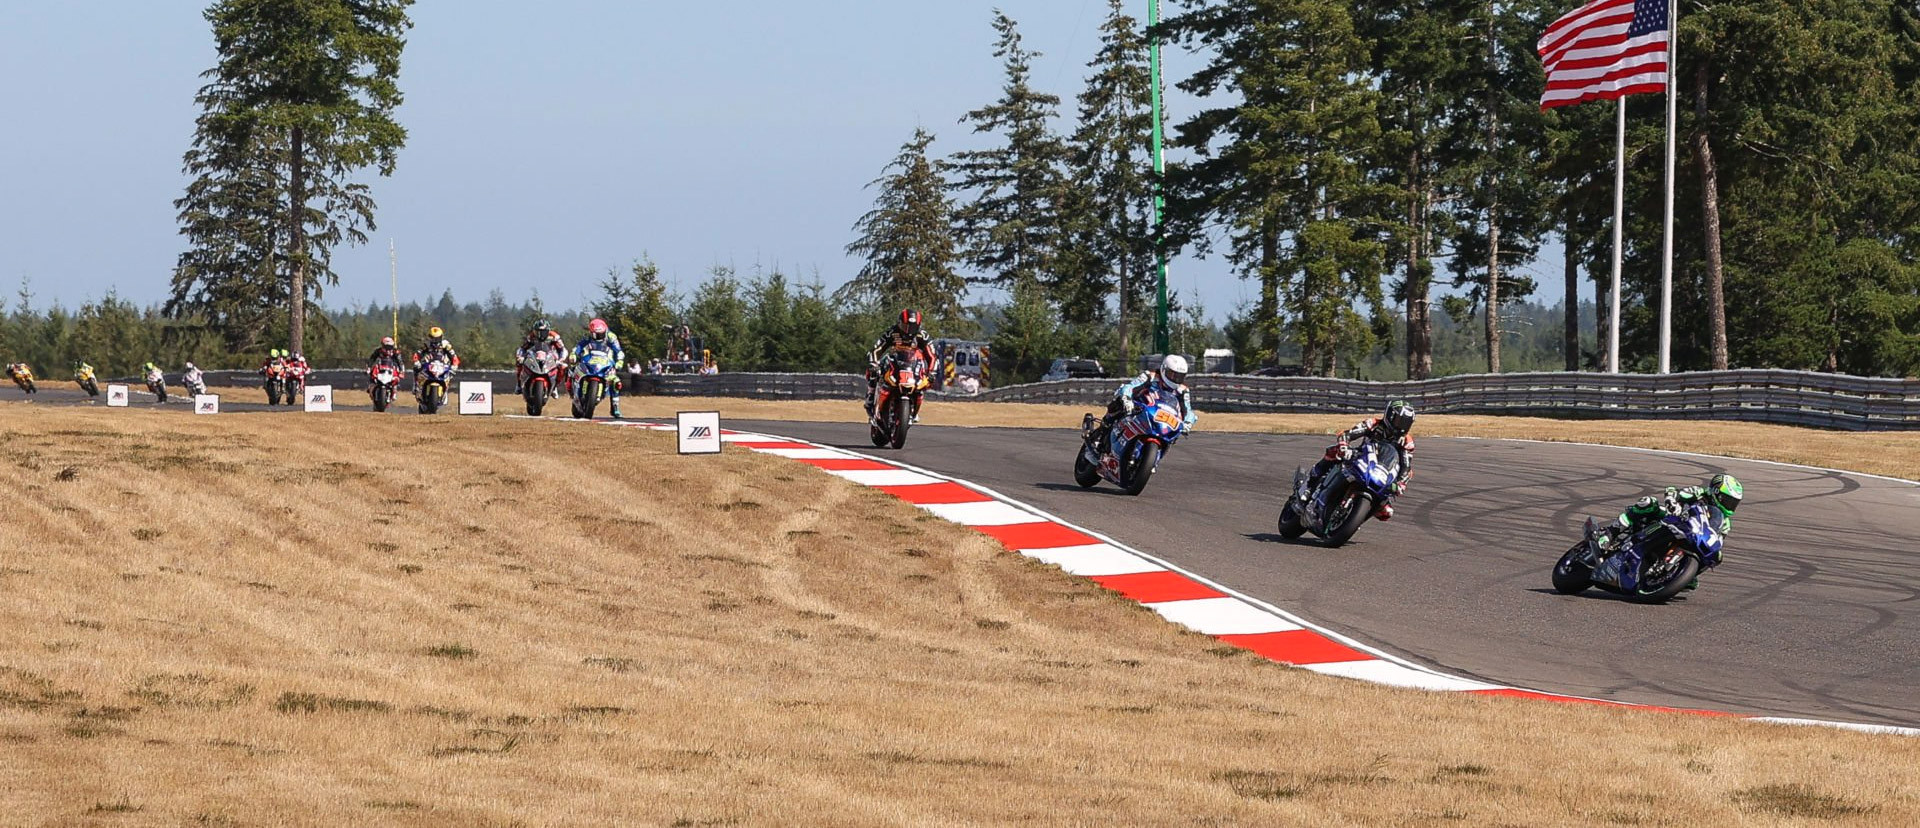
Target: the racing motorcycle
(157, 383)
(83, 377)
(544, 366)
(1649, 566)
(590, 378)
(275, 373)
(903, 376)
(294, 379)
(1127, 454)
(1346, 494)
(383, 382)
(431, 390)
(194, 382)
(23, 377)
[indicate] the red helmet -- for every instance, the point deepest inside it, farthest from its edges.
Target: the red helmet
(597, 327)
(386, 342)
(909, 322)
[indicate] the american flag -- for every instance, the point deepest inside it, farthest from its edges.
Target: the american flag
(1605, 49)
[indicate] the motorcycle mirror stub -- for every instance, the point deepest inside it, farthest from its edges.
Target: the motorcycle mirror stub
(699, 432)
(319, 399)
(117, 396)
(476, 398)
(206, 404)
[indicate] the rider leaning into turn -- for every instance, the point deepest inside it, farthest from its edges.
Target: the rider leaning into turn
(1722, 493)
(19, 372)
(1168, 380)
(907, 334)
(1394, 428)
(598, 338)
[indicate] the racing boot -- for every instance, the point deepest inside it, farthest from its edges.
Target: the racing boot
(914, 418)
(1384, 511)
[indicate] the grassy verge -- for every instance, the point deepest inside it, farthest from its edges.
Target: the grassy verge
(1893, 454)
(383, 620)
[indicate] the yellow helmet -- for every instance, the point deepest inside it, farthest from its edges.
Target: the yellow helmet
(435, 332)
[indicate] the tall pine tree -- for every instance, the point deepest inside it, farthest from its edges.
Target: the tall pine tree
(907, 239)
(302, 98)
(1008, 221)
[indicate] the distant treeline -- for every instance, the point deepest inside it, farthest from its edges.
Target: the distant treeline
(764, 323)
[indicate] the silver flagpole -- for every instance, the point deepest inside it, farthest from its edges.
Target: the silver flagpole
(1666, 254)
(1619, 218)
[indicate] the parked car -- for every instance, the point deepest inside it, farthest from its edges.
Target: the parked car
(1074, 368)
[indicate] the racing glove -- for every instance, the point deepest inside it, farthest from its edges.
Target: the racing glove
(1126, 405)
(1337, 452)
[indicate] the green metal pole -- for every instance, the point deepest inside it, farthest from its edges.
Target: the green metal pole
(1161, 333)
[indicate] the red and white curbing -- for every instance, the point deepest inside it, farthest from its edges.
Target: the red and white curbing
(1182, 597)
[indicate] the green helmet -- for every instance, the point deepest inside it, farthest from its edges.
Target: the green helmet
(1724, 492)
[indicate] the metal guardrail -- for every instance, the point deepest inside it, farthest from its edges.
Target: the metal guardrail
(1802, 398)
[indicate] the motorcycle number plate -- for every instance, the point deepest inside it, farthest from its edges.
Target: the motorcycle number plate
(1167, 418)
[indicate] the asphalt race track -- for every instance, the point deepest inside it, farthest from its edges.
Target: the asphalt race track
(1815, 613)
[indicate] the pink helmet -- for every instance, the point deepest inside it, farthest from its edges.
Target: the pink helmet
(597, 326)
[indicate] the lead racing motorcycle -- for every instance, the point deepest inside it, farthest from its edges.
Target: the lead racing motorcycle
(430, 387)
(1346, 495)
(590, 378)
(1129, 452)
(903, 378)
(1650, 566)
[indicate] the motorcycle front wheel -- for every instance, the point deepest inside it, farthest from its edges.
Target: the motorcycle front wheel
(1358, 511)
(536, 397)
(902, 417)
(1665, 590)
(381, 398)
(1142, 468)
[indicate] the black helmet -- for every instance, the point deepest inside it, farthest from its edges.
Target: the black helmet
(1725, 493)
(909, 322)
(1399, 418)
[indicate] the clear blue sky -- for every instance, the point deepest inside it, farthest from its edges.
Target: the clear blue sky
(549, 142)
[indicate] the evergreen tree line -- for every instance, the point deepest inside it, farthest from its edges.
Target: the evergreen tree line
(1352, 158)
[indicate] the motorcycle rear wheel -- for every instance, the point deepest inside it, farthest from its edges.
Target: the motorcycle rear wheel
(1290, 525)
(1085, 474)
(1570, 576)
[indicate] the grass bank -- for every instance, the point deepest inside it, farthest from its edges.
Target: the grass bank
(357, 619)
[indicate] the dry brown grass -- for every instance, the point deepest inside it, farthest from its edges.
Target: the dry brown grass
(1894, 454)
(353, 620)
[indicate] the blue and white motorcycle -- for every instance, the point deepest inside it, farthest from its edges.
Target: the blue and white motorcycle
(1345, 497)
(1649, 566)
(1131, 450)
(591, 378)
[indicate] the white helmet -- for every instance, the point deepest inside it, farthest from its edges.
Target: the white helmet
(1173, 369)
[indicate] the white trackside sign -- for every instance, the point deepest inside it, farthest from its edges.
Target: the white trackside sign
(699, 432)
(476, 398)
(117, 396)
(206, 403)
(320, 398)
